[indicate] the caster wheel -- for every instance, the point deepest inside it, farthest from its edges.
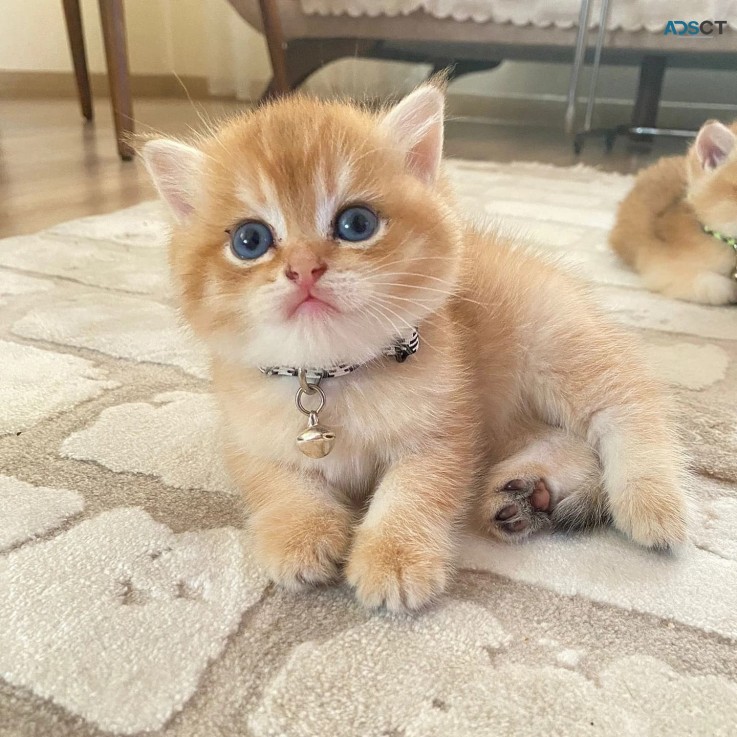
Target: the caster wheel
(609, 142)
(577, 147)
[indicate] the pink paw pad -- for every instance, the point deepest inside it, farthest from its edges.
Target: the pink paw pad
(529, 503)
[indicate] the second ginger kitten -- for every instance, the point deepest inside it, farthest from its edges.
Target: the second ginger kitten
(678, 225)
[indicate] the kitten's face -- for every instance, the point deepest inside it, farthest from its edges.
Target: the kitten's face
(314, 233)
(712, 175)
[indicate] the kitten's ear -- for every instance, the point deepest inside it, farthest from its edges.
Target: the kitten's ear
(176, 170)
(714, 143)
(416, 124)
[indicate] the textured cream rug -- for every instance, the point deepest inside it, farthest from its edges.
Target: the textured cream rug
(128, 599)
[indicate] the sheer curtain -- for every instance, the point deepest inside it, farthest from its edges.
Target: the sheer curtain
(236, 55)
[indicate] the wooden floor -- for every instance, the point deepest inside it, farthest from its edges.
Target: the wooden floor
(55, 167)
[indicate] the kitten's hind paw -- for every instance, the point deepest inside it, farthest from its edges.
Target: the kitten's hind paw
(520, 507)
(551, 481)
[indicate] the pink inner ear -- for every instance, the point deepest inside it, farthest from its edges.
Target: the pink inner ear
(175, 169)
(171, 188)
(416, 124)
(423, 159)
(714, 144)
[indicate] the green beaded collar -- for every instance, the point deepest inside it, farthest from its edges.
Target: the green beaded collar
(724, 239)
(721, 237)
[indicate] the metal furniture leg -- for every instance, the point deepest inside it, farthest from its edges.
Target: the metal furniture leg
(578, 59)
(591, 101)
(635, 130)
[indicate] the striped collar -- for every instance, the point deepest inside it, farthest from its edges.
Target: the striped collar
(400, 351)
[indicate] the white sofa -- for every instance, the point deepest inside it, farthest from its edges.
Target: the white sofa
(478, 34)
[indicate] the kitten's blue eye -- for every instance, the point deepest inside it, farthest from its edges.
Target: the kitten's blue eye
(251, 240)
(356, 224)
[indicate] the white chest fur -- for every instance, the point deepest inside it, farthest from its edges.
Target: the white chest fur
(378, 414)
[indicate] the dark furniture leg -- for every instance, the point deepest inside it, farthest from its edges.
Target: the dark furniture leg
(280, 83)
(645, 113)
(113, 31)
(75, 33)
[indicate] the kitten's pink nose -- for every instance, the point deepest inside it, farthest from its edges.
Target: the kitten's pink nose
(305, 270)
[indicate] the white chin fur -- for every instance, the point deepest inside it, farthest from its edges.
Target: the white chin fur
(312, 341)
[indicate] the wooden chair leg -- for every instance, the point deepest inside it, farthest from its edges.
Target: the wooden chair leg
(277, 46)
(116, 54)
(75, 33)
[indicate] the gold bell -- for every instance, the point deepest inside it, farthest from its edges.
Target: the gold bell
(316, 441)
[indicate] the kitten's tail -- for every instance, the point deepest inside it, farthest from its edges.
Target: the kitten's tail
(654, 259)
(630, 237)
(633, 237)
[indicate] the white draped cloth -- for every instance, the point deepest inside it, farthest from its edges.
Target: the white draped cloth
(628, 15)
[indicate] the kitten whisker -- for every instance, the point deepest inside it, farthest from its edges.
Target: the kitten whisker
(427, 319)
(429, 289)
(377, 307)
(421, 276)
(422, 304)
(381, 264)
(382, 306)
(376, 315)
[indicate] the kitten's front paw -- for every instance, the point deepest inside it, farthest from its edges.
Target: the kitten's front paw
(298, 548)
(653, 513)
(397, 574)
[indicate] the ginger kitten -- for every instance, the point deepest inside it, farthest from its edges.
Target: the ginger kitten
(678, 225)
(319, 236)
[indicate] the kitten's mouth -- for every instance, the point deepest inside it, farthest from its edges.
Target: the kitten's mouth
(309, 304)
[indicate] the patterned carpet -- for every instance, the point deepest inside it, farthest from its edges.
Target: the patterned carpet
(129, 601)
